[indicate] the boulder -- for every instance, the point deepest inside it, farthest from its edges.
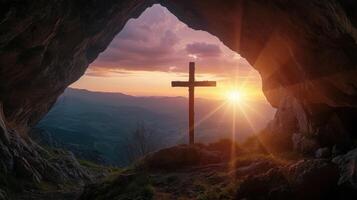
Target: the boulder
(24, 170)
(305, 144)
(313, 179)
(63, 167)
(305, 179)
(270, 185)
(323, 153)
(348, 169)
(28, 162)
(3, 195)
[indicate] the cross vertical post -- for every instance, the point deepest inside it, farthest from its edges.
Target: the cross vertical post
(191, 97)
(191, 84)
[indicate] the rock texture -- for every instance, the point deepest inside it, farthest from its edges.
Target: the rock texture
(305, 179)
(44, 47)
(47, 45)
(25, 164)
(27, 161)
(347, 164)
(304, 50)
(253, 176)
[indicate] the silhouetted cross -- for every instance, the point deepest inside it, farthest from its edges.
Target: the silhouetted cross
(191, 84)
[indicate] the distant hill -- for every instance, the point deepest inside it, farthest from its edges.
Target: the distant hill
(97, 125)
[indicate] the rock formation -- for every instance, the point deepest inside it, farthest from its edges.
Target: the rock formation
(46, 45)
(305, 52)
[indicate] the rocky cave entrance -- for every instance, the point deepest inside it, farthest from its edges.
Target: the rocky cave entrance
(305, 52)
(291, 56)
(128, 86)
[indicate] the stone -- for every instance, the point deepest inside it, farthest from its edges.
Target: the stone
(313, 179)
(6, 158)
(336, 151)
(348, 170)
(3, 195)
(304, 144)
(333, 130)
(32, 164)
(64, 167)
(270, 185)
(305, 179)
(24, 170)
(4, 137)
(323, 153)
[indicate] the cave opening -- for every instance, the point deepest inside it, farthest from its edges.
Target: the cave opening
(127, 88)
(305, 53)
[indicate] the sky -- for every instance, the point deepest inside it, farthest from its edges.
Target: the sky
(155, 49)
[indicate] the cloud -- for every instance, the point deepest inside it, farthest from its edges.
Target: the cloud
(203, 49)
(157, 40)
(102, 72)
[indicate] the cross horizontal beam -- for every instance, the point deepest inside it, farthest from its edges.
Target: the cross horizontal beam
(193, 84)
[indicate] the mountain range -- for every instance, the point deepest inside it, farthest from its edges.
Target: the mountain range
(98, 125)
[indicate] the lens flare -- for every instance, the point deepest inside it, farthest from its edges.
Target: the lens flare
(235, 96)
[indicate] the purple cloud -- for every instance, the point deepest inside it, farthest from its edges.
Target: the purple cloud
(203, 49)
(157, 40)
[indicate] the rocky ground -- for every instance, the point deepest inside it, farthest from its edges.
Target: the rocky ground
(29, 171)
(305, 52)
(45, 195)
(200, 172)
(206, 172)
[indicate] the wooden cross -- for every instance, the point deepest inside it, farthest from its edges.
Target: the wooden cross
(191, 84)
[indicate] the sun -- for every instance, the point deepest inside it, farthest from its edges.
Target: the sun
(234, 96)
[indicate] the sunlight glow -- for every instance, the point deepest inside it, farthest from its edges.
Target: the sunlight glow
(235, 96)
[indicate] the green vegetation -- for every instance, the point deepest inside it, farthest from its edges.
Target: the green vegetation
(202, 172)
(140, 188)
(218, 192)
(98, 168)
(123, 187)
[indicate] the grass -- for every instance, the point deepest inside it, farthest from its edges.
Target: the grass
(54, 153)
(47, 186)
(216, 192)
(123, 186)
(279, 159)
(140, 188)
(133, 183)
(98, 168)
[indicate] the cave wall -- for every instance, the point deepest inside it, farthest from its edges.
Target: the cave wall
(47, 45)
(305, 52)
